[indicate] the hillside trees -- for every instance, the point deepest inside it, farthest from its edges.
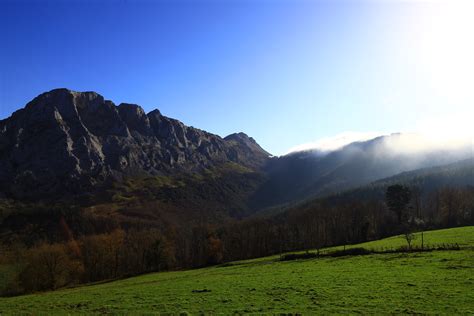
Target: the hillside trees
(101, 255)
(146, 251)
(104, 256)
(140, 247)
(49, 266)
(398, 197)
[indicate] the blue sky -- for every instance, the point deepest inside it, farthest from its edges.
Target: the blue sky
(284, 72)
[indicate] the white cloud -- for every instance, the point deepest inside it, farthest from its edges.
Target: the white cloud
(448, 132)
(336, 142)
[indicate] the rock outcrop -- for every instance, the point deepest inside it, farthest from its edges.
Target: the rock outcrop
(66, 141)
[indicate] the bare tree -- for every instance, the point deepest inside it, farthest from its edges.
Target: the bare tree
(409, 237)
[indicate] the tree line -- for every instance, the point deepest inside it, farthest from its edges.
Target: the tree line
(48, 266)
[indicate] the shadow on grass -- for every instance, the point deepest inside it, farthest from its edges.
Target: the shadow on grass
(363, 251)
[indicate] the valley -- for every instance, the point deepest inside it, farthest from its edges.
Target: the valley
(437, 282)
(288, 157)
(146, 193)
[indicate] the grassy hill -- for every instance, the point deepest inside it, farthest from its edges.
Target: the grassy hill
(438, 282)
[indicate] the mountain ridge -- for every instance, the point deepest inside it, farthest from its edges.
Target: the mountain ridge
(74, 140)
(305, 174)
(76, 157)
(67, 142)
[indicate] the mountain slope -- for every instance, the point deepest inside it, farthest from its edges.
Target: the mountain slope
(307, 174)
(68, 144)
(66, 141)
(426, 180)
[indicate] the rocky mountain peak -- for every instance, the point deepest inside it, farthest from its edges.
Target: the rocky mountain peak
(248, 142)
(62, 97)
(242, 137)
(135, 118)
(68, 140)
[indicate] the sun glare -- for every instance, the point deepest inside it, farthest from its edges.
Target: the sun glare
(444, 40)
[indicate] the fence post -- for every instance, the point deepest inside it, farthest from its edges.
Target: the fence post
(422, 241)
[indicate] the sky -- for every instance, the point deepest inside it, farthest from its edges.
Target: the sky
(287, 73)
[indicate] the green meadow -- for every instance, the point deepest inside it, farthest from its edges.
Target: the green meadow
(437, 282)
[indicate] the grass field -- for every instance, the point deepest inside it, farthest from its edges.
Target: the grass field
(438, 282)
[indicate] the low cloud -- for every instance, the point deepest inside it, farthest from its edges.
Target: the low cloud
(446, 133)
(329, 144)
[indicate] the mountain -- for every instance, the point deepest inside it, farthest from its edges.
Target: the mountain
(66, 144)
(459, 174)
(73, 164)
(434, 190)
(70, 142)
(309, 174)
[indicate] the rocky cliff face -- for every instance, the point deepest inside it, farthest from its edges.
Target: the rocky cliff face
(66, 141)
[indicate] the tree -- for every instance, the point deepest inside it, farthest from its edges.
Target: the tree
(159, 253)
(48, 267)
(146, 251)
(409, 237)
(450, 206)
(397, 198)
(214, 250)
(101, 255)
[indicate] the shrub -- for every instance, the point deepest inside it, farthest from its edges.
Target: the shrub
(296, 256)
(350, 252)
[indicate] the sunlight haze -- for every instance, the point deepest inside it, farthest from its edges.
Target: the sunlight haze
(286, 73)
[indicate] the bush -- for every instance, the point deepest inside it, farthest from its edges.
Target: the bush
(350, 252)
(296, 256)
